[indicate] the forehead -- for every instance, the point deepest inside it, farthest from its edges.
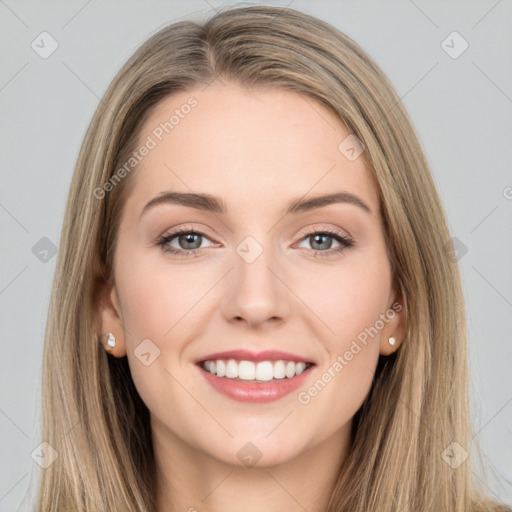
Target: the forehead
(249, 146)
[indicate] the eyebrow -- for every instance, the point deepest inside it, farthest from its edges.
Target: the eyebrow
(214, 204)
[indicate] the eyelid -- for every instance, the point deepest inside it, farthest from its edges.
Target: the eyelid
(319, 228)
(187, 228)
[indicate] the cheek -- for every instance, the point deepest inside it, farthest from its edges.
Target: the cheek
(154, 297)
(349, 307)
(347, 298)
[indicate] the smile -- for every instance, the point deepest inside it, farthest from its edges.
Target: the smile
(262, 371)
(255, 382)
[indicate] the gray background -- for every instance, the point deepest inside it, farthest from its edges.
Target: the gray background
(462, 109)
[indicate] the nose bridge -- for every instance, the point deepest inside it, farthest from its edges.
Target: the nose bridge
(255, 292)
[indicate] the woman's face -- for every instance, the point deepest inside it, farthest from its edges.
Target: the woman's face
(251, 275)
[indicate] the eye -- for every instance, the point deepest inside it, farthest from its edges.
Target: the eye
(189, 242)
(321, 242)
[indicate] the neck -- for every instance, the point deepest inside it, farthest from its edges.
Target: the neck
(191, 480)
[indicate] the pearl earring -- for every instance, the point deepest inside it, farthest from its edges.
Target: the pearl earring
(392, 340)
(111, 341)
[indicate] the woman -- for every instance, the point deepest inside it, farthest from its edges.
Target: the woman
(307, 350)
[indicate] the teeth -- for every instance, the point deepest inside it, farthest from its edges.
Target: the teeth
(300, 368)
(221, 368)
(231, 369)
(248, 370)
(264, 370)
(279, 370)
(290, 369)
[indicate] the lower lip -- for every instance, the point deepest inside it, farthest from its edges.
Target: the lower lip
(256, 392)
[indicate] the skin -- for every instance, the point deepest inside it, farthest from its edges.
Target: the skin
(258, 150)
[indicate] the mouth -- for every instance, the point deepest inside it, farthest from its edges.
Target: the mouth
(255, 377)
(252, 371)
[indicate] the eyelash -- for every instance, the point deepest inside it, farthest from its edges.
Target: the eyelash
(343, 240)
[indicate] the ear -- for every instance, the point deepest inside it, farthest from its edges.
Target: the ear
(395, 324)
(109, 318)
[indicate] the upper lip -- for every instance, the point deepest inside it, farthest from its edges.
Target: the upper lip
(250, 355)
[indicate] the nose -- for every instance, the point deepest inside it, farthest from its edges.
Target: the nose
(256, 292)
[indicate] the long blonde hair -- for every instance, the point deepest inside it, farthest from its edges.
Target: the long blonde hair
(418, 404)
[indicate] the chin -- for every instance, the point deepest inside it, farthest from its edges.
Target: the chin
(255, 452)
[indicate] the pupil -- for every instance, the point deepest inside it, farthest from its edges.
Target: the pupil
(189, 238)
(319, 237)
